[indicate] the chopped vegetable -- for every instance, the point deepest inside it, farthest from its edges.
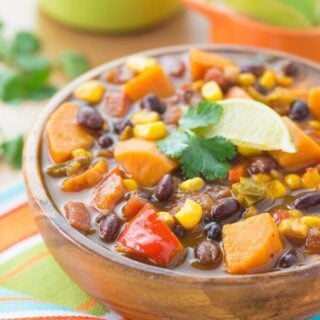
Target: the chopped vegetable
(237, 171)
(189, 214)
(109, 192)
(149, 236)
(143, 161)
(251, 244)
(78, 216)
(64, 134)
(87, 179)
(115, 104)
(90, 91)
(201, 61)
(133, 206)
(151, 80)
(193, 184)
(314, 102)
(308, 151)
(150, 131)
(293, 228)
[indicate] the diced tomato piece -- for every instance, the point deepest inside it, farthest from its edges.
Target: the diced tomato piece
(109, 192)
(172, 115)
(116, 104)
(133, 206)
(236, 172)
(149, 236)
(77, 215)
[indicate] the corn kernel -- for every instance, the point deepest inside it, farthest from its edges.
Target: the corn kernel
(262, 177)
(248, 151)
(139, 63)
(197, 85)
(314, 124)
(294, 213)
(211, 91)
(268, 79)
(293, 181)
(145, 116)
(150, 131)
(193, 184)
(126, 134)
(311, 221)
(91, 91)
(246, 79)
(190, 214)
(294, 228)
(275, 174)
(130, 184)
(276, 189)
(166, 217)
(311, 178)
(81, 153)
(284, 81)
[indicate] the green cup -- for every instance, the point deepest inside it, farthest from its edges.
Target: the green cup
(110, 15)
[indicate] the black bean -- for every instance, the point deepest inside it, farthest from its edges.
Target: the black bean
(288, 259)
(261, 165)
(290, 69)
(105, 141)
(299, 110)
(90, 118)
(260, 88)
(165, 187)
(109, 227)
(153, 103)
(306, 200)
(225, 209)
(214, 231)
(179, 231)
(208, 253)
(256, 68)
(121, 125)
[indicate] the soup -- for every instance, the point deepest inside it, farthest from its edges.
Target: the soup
(194, 161)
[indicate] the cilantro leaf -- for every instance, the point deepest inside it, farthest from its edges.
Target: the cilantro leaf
(25, 43)
(174, 144)
(207, 157)
(74, 64)
(202, 115)
(12, 151)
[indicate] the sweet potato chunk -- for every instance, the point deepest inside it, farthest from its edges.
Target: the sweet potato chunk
(64, 134)
(308, 151)
(87, 179)
(251, 244)
(109, 193)
(201, 61)
(152, 79)
(77, 216)
(314, 102)
(143, 160)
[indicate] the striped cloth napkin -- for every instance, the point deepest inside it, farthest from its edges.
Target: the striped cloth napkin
(32, 284)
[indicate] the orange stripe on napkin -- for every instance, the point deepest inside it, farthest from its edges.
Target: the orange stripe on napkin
(15, 226)
(87, 305)
(24, 266)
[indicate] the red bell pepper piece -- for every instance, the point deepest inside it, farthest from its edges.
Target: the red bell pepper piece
(149, 236)
(236, 172)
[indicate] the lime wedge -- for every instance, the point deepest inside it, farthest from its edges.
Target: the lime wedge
(274, 12)
(249, 123)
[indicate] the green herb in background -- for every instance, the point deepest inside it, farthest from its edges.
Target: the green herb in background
(198, 155)
(11, 150)
(73, 64)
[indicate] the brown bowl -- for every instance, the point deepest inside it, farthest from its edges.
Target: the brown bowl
(143, 292)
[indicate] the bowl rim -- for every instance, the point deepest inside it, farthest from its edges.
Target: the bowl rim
(209, 9)
(37, 192)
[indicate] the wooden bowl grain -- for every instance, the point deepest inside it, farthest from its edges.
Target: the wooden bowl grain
(143, 292)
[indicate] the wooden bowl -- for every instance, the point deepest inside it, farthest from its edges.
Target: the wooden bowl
(143, 292)
(230, 27)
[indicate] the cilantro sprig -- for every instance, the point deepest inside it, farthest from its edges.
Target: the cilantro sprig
(11, 150)
(199, 155)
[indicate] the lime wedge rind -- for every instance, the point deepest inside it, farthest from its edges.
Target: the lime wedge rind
(249, 123)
